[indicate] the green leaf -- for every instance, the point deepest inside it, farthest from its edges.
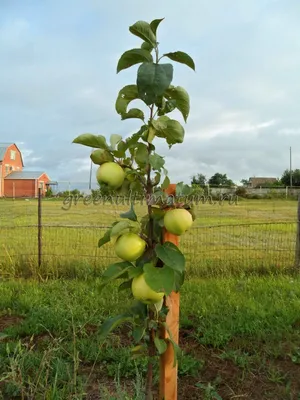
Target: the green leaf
(157, 213)
(154, 25)
(169, 129)
(123, 227)
(143, 30)
(150, 134)
(124, 189)
(147, 46)
(181, 98)
(136, 187)
(178, 280)
(139, 309)
(115, 270)
(127, 94)
(176, 348)
(141, 155)
(114, 140)
(157, 230)
(122, 146)
(133, 113)
(101, 156)
(134, 272)
(183, 189)
(112, 323)
(125, 285)
(156, 179)
(105, 239)
(169, 106)
(174, 132)
(160, 125)
(153, 80)
(165, 183)
(121, 150)
(160, 344)
(90, 140)
(139, 351)
(171, 256)
(132, 57)
(130, 214)
(156, 161)
(181, 57)
(133, 139)
(138, 332)
(159, 279)
(177, 351)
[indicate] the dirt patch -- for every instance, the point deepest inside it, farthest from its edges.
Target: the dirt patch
(9, 320)
(265, 377)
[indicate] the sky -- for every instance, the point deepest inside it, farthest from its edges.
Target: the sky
(58, 79)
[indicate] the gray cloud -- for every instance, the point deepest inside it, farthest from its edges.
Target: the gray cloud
(58, 79)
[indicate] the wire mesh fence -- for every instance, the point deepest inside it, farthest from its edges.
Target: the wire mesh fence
(57, 239)
(220, 249)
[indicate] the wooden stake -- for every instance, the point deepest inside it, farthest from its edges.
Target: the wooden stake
(168, 373)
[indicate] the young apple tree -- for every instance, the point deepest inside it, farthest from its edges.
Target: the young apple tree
(150, 268)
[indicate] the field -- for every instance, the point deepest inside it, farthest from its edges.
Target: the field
(240, 305)
(226, 239)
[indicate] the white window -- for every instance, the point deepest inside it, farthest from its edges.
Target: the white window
(12, 155)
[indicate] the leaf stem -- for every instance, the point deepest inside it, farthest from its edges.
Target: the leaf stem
(156, 54)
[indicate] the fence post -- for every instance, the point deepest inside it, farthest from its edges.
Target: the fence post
(39, 227)
(168, 373)
(297, 253)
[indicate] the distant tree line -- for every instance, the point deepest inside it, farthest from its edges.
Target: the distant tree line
(219, 179)
(216, 180)
(197, 181)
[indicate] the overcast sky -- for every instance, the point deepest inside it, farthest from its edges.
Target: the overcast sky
(58, 79)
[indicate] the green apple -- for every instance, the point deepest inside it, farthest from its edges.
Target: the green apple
(112, 174)
(178, 221)
(100, 156)
(130, 246)
(142, 291)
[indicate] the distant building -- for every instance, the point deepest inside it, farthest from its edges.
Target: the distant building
(14, 182)
(260, 181)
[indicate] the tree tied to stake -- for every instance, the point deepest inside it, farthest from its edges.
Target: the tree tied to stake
(150, 268)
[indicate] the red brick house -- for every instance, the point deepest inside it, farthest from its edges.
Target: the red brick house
(14, 182)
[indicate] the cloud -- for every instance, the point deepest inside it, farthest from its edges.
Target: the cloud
(58, 79)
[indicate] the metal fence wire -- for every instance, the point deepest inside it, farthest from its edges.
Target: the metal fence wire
(45, 239)
(208, 249)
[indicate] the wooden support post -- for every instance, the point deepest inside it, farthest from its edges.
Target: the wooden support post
(168, 373)
(39, 228)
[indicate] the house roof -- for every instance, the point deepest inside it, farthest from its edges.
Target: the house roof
(24, 175)
(262, 179)
(3, 149)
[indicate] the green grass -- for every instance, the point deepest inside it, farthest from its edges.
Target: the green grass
(55, 348)
(240, 305)
(248, 237)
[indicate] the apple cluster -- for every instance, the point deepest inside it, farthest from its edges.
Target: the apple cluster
(130, 246)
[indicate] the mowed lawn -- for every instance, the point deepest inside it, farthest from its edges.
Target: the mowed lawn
(240, 339)
(252, 235)
(240, 306)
